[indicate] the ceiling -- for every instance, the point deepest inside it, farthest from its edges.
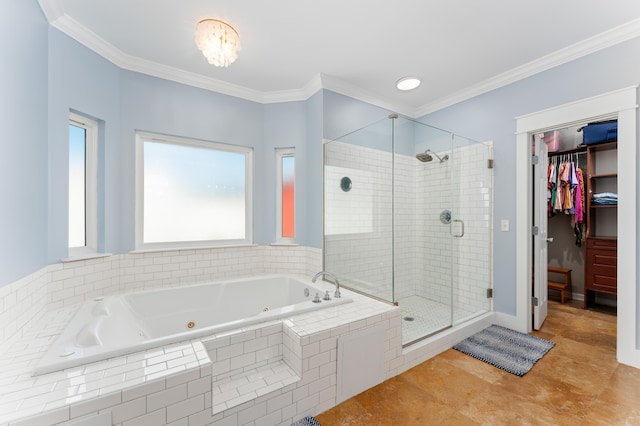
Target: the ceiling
(292, 48)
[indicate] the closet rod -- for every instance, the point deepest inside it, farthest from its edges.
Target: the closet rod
(579, 150)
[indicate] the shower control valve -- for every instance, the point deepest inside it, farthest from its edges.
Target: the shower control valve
(326, 296)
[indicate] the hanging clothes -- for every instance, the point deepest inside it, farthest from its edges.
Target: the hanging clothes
(565, 186)
(551, 188)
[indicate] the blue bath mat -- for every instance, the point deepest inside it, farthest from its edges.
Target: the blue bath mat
(307, 421)
(504, 348)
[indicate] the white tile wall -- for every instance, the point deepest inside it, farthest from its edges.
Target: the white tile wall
(360, 255)
(295, 358)
(463, 185)
(421, 257)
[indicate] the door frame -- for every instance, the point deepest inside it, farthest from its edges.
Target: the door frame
(623, 105)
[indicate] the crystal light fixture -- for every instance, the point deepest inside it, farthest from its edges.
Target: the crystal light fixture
(218, 41)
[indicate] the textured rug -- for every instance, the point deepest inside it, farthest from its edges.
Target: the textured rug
(307, 421)
(507, 349)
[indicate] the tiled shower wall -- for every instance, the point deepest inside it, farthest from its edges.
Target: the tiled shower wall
(358, 222)
(65, 284)
(361, 249)
(462, 185)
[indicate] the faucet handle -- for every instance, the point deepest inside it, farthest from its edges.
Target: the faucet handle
(326, 295)
(316, 299)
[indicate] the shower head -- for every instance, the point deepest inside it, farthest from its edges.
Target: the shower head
(424, 157)
(427, 156)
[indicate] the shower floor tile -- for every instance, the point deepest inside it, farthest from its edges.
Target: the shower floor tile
(422, 317)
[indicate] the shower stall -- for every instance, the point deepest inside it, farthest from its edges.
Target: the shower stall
(407, 220)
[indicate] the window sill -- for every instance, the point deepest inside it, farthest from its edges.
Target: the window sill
(85, 257)
(285, 244)
(180, 248)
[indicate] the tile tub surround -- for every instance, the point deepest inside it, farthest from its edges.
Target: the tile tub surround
(177, 383)
(291, 364)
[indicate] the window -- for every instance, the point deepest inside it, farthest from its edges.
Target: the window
(285, 216)
(83, 229)
(192, 193)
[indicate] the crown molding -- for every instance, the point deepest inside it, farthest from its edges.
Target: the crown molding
(340, 86)
(585, 47)
(89, 39)
(54, 13)
(303, 94)
(177, 75)
(52, 9)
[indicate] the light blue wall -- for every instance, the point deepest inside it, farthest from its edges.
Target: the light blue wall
(312, 197)
(284, 127)
(342, 114)
(491, 117)
(23, 147)
(83, 82)
(156, 105)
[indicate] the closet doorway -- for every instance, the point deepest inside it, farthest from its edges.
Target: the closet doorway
(621, 104)
(566, 208)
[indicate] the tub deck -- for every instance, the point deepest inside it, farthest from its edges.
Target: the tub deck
(194, 367)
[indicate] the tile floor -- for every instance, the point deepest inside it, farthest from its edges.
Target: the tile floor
(427, 317)
(578, 382)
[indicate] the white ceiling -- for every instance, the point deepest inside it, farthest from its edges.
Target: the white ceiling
(291, 48)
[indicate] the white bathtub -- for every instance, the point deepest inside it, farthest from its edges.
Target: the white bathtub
(116, 325)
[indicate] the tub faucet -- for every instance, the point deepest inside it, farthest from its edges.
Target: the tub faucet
(333, 277)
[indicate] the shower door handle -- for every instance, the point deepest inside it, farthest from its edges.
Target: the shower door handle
(461, 230)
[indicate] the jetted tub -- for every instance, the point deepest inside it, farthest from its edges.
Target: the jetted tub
(116, 325)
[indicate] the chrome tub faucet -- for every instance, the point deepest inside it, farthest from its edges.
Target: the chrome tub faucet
(333, 277)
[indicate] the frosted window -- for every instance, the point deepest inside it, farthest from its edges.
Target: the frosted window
(193, 193)
(285, 195)
(288, 197)
(77, 186)
(83, 185)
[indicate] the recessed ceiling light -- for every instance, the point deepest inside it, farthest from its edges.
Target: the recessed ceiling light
(408, 83)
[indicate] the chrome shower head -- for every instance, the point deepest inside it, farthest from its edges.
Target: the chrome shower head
(427, 156)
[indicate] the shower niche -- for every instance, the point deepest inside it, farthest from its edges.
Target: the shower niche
(388, 236)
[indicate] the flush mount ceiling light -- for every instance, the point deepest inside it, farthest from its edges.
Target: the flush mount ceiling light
(218, 41)
(408, 83)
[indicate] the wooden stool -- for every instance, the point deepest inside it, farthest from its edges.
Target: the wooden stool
(560, 286)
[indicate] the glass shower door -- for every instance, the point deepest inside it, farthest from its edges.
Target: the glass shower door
(423, 244)
(471, 182)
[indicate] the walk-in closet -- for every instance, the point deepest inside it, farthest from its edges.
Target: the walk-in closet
(582, 218)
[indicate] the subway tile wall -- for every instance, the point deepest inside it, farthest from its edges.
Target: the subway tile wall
(360, 255)
(428, 260)
(463, 185)
(300, 355)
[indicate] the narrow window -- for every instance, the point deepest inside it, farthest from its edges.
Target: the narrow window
(82, 185)
(285, 228)
(192, 193)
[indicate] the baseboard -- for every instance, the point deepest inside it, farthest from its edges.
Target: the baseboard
(577, 296)
(509, 321)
